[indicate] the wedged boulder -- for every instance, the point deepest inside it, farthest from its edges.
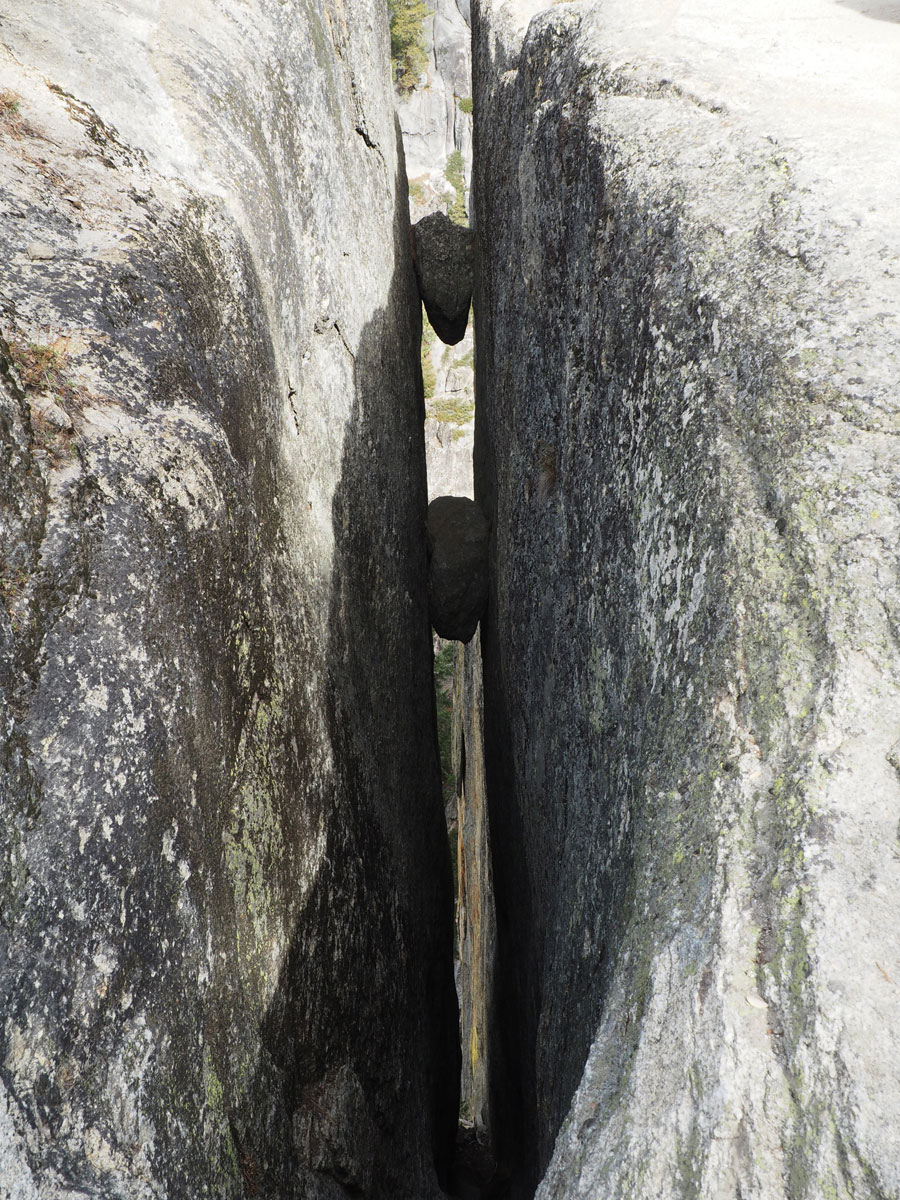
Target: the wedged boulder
(458, 537)
(443, 255)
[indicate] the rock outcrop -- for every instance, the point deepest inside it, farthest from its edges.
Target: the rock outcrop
(225, 912)
(443, 256)
(436, 116)
(458, 537)
(686, 443)
(450, 417)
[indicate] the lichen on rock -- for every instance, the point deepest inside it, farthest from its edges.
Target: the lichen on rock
(225, 888)
(690, 655)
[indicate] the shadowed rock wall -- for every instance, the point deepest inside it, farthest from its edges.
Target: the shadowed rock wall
(225, 915)
(476, 929)
(686, 444)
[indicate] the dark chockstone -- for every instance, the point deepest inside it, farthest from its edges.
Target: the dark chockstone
(458, 566)
(443, 255)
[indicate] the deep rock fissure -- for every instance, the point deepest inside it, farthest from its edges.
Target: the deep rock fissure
(225, 887)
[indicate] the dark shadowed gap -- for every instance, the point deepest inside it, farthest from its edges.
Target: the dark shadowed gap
(354, 1130)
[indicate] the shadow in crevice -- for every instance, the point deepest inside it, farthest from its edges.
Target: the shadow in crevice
(360, 1071)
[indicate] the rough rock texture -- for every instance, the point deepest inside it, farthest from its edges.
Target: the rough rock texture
(687, 444)
(225, 913)
(457, 566)
(433, 115)
(476, 926)
(448, 457)
(443, 256)
(450, 418)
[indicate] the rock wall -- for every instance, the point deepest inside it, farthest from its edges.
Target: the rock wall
(686, 442)
(225, 912)
(450, 417)
(433, 121)
(476, 927)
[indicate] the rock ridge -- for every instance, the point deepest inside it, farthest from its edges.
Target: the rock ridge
(690, 658)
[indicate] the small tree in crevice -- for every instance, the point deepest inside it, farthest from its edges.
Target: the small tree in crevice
(456, 210)
(408, 56)
(429, 375)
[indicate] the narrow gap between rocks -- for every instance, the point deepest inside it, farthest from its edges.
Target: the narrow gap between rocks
(431, 51)
(457, 538)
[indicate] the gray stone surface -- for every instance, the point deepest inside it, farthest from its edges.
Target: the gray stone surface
(458, 537)
(225, 912)
(450, 419)
(448, 454)
(444, 268)
(433, 123)
(686, 441)
(475, 918)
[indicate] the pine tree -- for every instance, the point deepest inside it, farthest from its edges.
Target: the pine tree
(408, 41)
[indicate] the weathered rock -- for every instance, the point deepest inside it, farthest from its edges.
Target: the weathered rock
(458, 537)
(450, 419)
(475, 918)
(686, 442)
(448, 454)
(225, 912)
(443, 254)
(433, 115)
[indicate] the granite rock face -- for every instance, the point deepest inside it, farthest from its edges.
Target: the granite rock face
(443, 255)
(450, 418)
(436, 116)
(475, 920)
(225, 912)
(458, 537)
(686, 443)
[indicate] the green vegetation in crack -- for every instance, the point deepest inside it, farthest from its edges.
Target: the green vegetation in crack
(456, 210)
(429, 376)
(453, 410)
(223, 1158)
(444, 666)
(689, 1152)
(9, 103)
(408, 54)
(43, 370)
(44, 367)
(444, 670)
